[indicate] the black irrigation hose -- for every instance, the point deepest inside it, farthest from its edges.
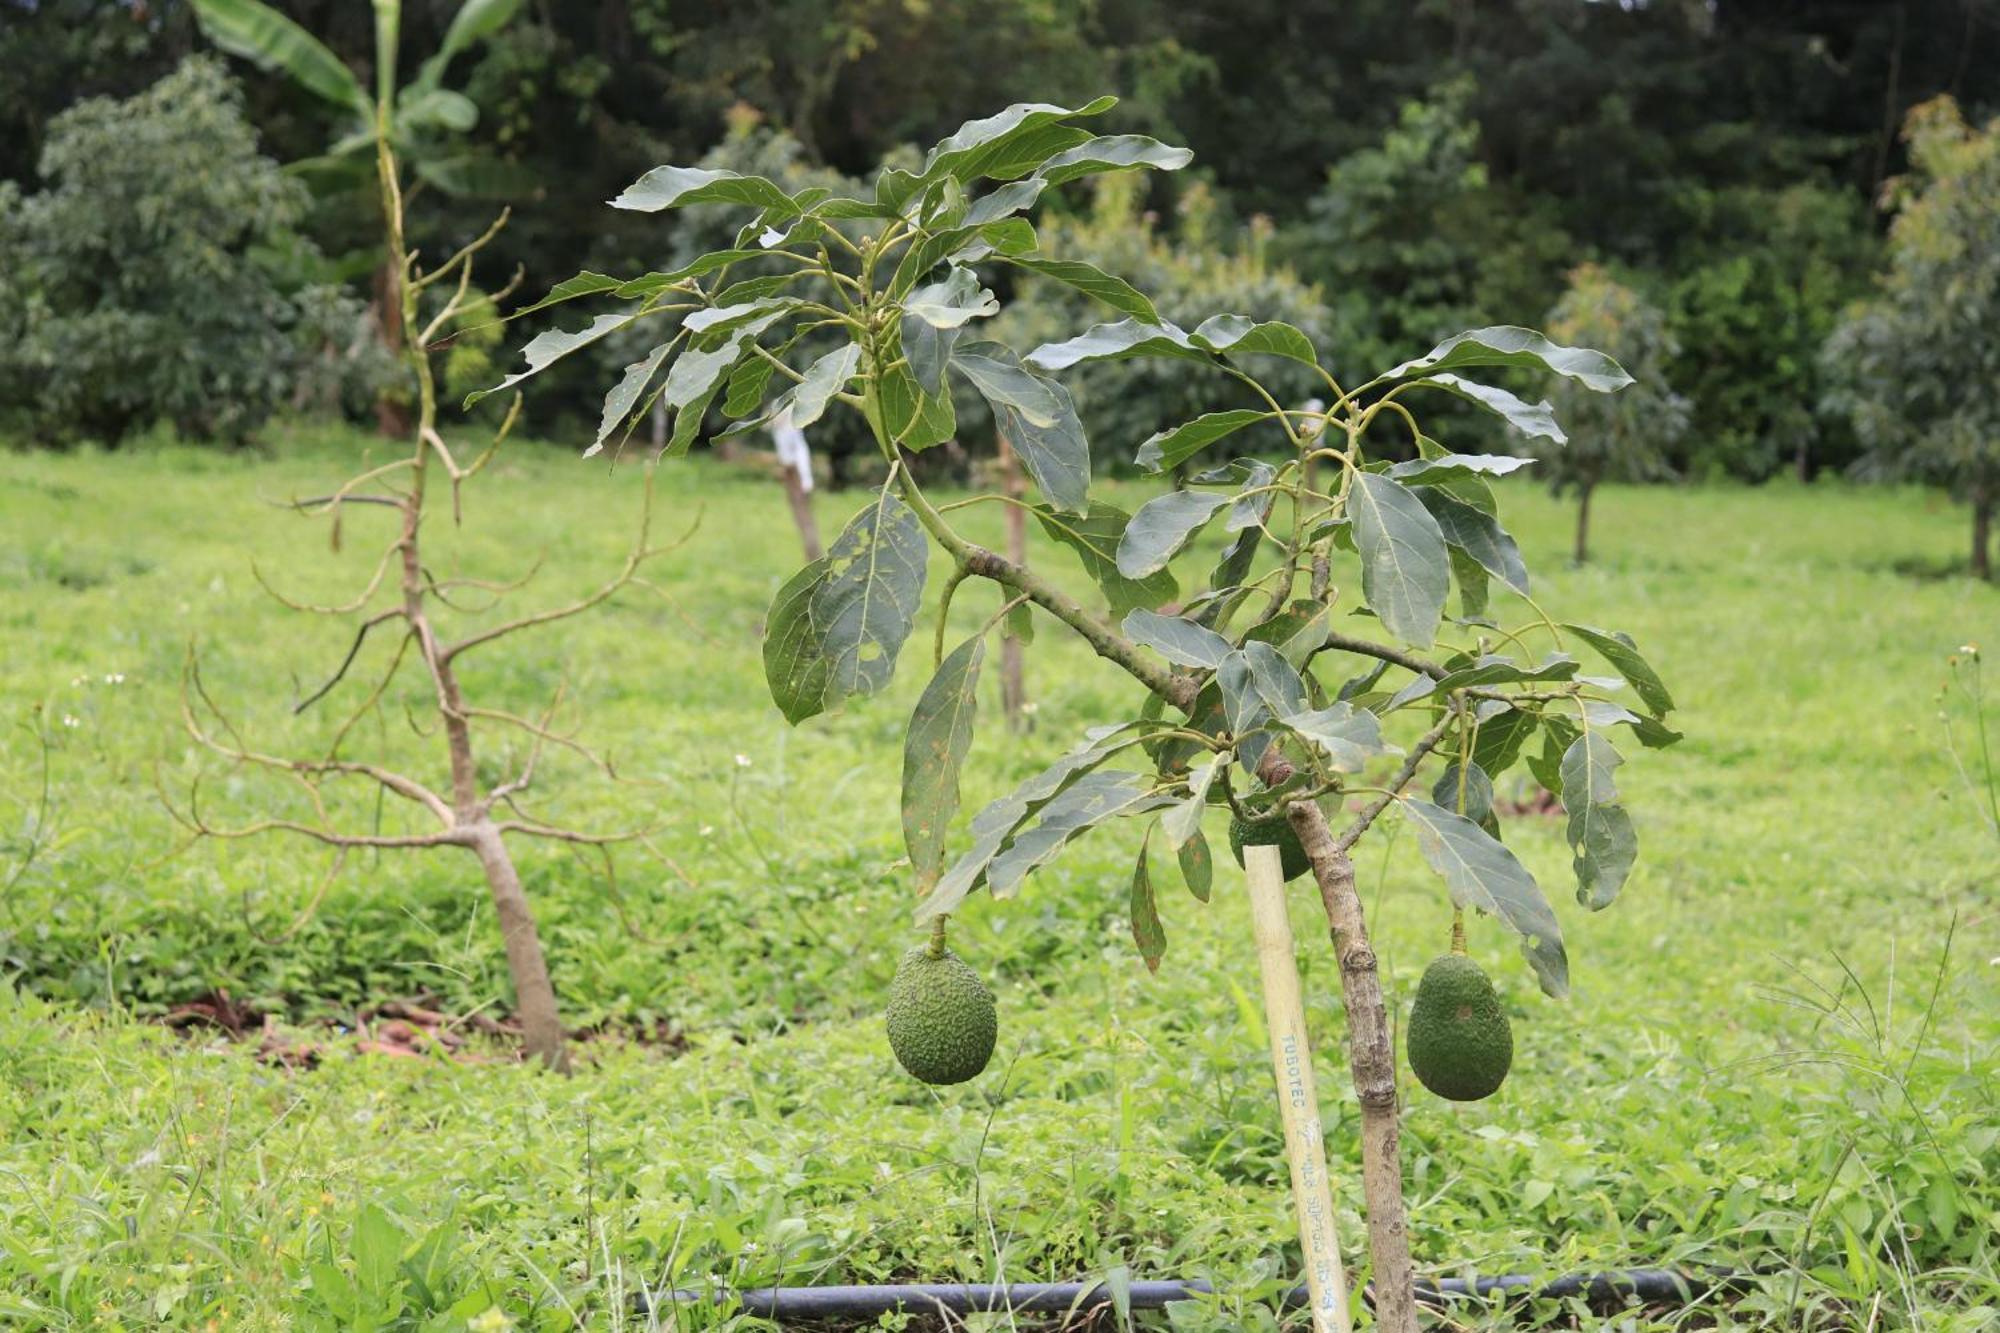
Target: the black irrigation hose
(1649, 1285)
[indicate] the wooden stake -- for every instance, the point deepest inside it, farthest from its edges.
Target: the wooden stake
(1298, 1103)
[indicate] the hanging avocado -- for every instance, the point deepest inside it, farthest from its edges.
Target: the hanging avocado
(1459, 1042)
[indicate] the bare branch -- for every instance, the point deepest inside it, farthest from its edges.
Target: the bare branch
(353, 651)
(464, 254)
(374, 698)
(345, 608)
(640, 554)
(1352, 833)
(531, 829)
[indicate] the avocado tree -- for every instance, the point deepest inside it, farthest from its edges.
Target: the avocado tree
(425, 124)
(1918, 366)
(437, 624)
(1275, 683)
(1623, 437)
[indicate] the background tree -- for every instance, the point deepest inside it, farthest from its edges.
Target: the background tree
(160, 275)
(1919, 364)
(1611, 438)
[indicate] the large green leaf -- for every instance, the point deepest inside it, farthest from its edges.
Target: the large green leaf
(1170, 448)
(1481, 873)
(1489, 669)
(1181, 642)
(1095, 799)
(1239, 335)
(1448, 467)
(1094, 536)
(1162, 529)
(1501, 735)
(1038, 419)
(421, 109)
(1506, 345)
(874, 583)
(933, 749)
(952, 302)
(1623, 654)
(1001, 147)
(915, 419)
(807, 400)
(1111, 152)
(1532, 419)
(993, 825)
(1405, 572)
(268, 39)
(1093, 282)
(1477, 534)
(1116, 342)
(677, 187)
(1600, 829)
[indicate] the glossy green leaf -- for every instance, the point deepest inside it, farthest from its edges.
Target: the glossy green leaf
(1623, 655)
(796, 667)
(1162, 529)
(1038, 419)
(1537, 420)
(1506, 345)
(1348, 736)
(1011, 143)
(952, 302)
(1423, 471)
(915, 419)
(1465, 791)
(1405, 573)
(934, 747)
(1116, 342)
(1477, 534)
(1094, 536)
(1170, 448)
(1239, 335)
(1093, 282)
(624, 395)
(1497, 743)
(1095, 799)
(1184, 821)
(1481, 873)
(1111, 152)
(678, 187)
(475, 21)
(1181, 642)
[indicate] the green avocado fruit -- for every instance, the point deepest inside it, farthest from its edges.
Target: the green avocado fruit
(941, 1017)
(1264, 832)
(1459, 1042)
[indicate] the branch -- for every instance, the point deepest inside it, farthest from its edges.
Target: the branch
(531, 829)
(1352, 833)
(639, 555)
(345, 608)
(1396, 656)
(340, 673)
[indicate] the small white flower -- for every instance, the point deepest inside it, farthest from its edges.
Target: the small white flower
(114, 678)
(72, 720)
(743, 761)
(78, 682)
(708, 830)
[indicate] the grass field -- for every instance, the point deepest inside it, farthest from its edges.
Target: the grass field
(1771, 1058)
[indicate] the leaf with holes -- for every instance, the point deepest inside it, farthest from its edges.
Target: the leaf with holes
(866, 605)
(1600, 829)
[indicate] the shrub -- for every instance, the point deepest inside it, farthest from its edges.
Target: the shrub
(155, 277)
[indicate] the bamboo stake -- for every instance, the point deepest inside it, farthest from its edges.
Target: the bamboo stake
(1298, 1103)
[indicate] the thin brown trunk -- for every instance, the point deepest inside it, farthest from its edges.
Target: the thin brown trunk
(1982, 533)
(1371, 1059)
(534, 995)
(802, 514)
(392, 414)
(1013, 670)
(1582, 551)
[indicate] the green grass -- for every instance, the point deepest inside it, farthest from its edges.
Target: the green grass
(1768, 1060)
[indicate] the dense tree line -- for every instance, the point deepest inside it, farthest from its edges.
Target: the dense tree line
(1424, 165)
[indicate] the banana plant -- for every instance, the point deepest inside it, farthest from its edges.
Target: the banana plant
(423, 122)
(1316, 673)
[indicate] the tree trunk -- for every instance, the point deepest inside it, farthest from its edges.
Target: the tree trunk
(392, 413)
(1982, 533)
(1371, 1059)
(534, 995)
(1013, 678)
(1802, 458)
(802, 515)
(1582, 551)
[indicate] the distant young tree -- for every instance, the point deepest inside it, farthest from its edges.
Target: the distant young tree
(1918, 365)
(1623, 437)
(159, 274)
